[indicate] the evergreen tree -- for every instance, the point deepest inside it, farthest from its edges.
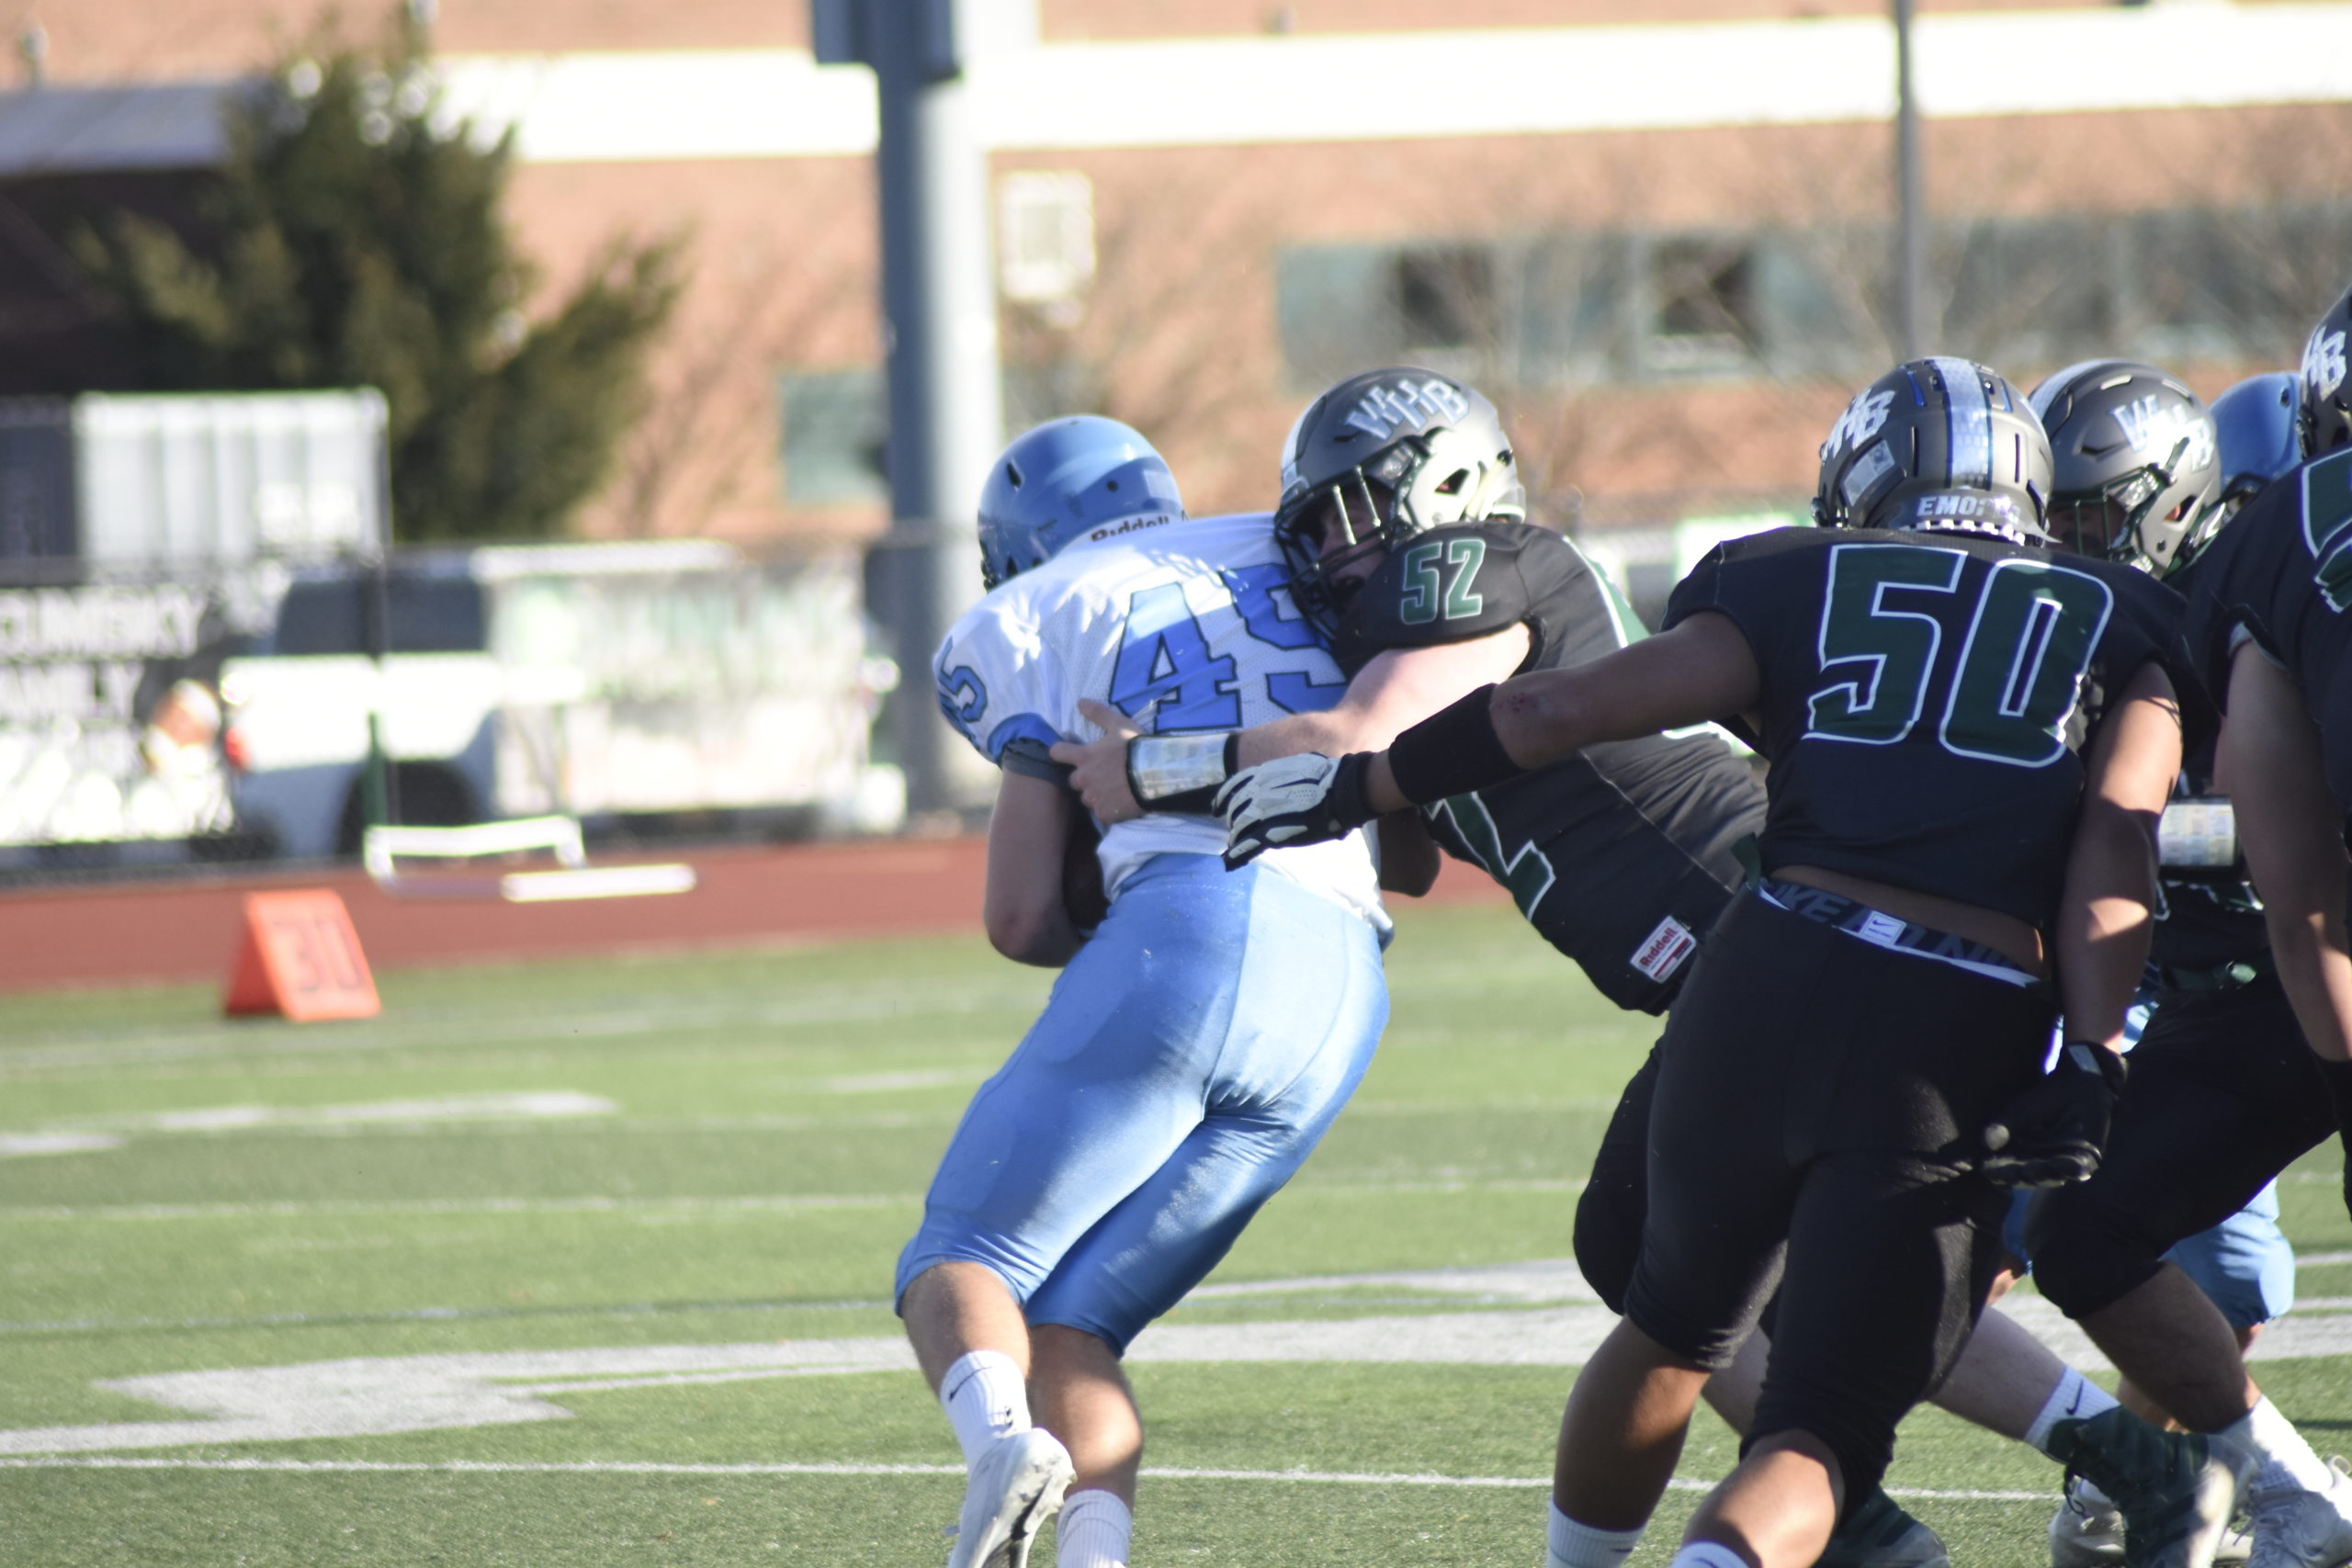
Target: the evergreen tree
(353, 238)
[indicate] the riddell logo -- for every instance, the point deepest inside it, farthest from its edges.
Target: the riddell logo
(1130, 525)
(1663, 951)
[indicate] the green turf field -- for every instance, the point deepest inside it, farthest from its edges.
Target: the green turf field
(586, 1263)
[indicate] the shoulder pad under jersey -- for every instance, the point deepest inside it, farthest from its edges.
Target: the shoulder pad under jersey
(1450, 584)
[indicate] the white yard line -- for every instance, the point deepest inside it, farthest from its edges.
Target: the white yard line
(643, 1467)
(304, 1208)
(438, 1029)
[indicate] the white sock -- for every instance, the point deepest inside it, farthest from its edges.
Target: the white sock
(1707, 1555)
(984, 1397)
(1572, 1545)
(1093, 1531)
(2287, 1462)
(2075, 1398)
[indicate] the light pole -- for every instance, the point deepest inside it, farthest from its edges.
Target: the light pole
(1911, 223)
(939, 314)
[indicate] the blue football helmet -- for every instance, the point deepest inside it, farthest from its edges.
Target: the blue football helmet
(2259, 422)
(1064, 480)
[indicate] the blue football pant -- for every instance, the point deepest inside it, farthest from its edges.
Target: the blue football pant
(1189, 1058)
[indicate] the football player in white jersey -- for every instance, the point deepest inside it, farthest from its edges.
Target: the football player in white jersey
(1201, 1037)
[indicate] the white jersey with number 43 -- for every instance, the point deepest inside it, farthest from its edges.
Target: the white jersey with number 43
(1183, 626)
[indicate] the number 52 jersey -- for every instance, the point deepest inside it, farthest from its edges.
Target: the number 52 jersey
(1185, 625)
(1927, 697)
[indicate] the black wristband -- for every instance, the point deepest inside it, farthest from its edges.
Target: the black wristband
(1452, 752)
(2090, 1056)
(1350, 799)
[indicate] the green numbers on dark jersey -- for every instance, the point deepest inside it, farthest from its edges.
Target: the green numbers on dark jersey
(2022, 670)
(1890, 652)
(2019, 675)
(2327, 527)
(1433, 594)
(1527, 874)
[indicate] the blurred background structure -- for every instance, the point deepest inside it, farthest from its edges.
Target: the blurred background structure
(1664, 236)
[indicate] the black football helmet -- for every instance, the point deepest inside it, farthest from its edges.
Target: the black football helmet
(1942, 445)
(2327, 398)
(2136, 466)
(1431, 449)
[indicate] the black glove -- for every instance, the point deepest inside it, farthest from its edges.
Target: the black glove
(1306, 799)
(2052, 1132)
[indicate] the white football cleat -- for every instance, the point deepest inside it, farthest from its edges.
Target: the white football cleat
(2297, 1527)
(1016, 1485)
(2084, 1534)
(2087, 1534)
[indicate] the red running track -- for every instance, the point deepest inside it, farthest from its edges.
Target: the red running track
(186, 929)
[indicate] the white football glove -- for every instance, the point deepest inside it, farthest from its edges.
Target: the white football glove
(1306, 799)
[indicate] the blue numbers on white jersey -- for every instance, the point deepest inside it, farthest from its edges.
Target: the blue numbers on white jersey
(1164, 657)
(1253, 594)
(963, 698)
(1292, 691)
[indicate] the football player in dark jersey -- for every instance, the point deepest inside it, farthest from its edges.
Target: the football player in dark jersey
(1404, 518)
(2224, 1094)
(1622, 856)
(1969, 739)
(2267, 622)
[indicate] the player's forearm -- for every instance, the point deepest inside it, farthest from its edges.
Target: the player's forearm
(1701, 670)
(2309, 948)
(1397, 689)
(1491, 735)
(2269, 762)
(2105, 922)
(1334, 732)
(2288, 831)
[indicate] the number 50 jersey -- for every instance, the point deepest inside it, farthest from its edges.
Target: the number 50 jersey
(1928, 696)
(1185, 625)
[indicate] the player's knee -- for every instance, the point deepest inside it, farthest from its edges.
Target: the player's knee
(1608, 1239)
(2087, 1256)
(1853, 1442)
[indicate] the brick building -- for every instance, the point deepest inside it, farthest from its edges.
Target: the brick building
(1660, 234)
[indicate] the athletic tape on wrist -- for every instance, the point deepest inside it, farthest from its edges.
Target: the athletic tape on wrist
(1452, 752)
(1180, 773)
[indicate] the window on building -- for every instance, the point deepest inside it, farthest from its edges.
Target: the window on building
(2028, 291)
(1702, 309)
(834, 425)
(1445, 305)
(1568, 310)
(1332, 311)
(1809, 296)
(1342, 308)
(1045, 236)
(1573, 311)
